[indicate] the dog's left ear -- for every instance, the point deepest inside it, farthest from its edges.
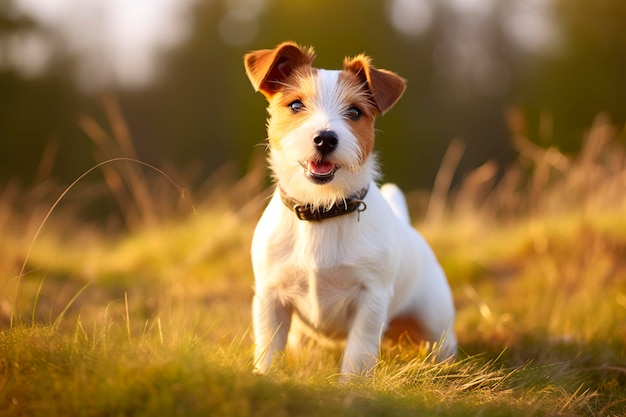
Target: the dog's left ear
(385, 86)
(268, 68)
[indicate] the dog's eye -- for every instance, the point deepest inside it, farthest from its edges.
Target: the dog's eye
(296, 106)
(353, 113)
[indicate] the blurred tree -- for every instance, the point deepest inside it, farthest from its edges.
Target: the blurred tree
(33, 112)
(465, 62)
(584, 78)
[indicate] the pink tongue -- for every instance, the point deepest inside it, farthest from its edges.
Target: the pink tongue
(321, 168)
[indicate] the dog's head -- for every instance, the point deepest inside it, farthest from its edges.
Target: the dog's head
(321, 124)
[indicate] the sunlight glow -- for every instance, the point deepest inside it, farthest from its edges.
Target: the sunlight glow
(117, 41)
(27, 51)
(467, 44)
(239, 25)
(411, 17)
(472, 8)
(529, 24)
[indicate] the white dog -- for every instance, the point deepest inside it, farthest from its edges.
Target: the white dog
(333, 255)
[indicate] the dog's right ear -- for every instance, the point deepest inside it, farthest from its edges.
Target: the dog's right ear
(268, 68)
(385, 86)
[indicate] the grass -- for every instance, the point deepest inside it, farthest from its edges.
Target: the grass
(130, 318)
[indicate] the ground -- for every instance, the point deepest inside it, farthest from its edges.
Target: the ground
(150, 314)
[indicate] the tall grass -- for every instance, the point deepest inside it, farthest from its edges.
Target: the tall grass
(148, 312)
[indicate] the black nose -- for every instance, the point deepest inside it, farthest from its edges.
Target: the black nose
(326, 141)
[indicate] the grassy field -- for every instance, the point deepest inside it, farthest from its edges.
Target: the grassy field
(148, 312)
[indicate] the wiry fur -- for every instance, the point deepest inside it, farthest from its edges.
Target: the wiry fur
(347, 277)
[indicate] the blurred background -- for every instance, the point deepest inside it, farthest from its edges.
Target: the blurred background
(172, 70)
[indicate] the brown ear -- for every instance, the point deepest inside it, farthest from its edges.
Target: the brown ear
(267, 68)
(385, 86)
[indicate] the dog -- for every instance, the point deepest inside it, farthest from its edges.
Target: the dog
(334, 256)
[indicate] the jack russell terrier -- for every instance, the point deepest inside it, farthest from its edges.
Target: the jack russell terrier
(334, 255)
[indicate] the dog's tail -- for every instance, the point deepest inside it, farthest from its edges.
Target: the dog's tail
(396, 200)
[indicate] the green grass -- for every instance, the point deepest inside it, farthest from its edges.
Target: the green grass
(154, 319)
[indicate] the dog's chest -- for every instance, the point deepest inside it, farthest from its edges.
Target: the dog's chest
(323, 270)
(325, 299)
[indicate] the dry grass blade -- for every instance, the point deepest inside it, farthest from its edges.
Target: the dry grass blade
(443, 180)
(56, 203)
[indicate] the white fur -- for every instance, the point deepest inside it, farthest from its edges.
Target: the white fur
(348, 276)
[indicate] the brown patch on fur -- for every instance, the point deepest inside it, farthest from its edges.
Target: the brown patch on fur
(405, 329)
(357, 95)
(300, 85)
(385, 86)
(268, 68)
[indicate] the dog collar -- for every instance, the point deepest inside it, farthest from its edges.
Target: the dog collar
(311, 213)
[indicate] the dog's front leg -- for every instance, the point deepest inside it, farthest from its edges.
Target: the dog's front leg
(271, 322)
(361, 352)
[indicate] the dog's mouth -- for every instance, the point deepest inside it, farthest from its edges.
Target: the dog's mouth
(320, 172)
